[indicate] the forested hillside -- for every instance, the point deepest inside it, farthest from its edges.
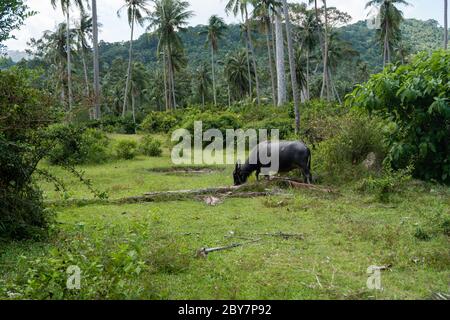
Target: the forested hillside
(419, 35)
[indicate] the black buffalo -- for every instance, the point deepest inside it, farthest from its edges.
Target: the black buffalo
(292, 155)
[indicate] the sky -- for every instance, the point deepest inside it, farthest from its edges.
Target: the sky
(117, 29)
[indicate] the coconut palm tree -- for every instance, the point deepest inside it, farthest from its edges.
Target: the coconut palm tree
(281, 72)
(97, 92)
(236, 72)
(138, 86)
(215, 31)
(168, 18)
(445, 24)
(308, 34)
(51, 48)
(136, 10)
(292, 66)
(241, 7)
(391, 19)
(203, 81)
(244, 36)
(66, 5)
(263, 12)
(84, 33)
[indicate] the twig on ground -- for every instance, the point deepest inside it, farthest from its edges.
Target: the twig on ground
(203, 252)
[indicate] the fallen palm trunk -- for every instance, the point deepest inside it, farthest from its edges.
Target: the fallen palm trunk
(296, 184)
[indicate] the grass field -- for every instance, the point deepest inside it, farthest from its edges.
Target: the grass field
(148, 251)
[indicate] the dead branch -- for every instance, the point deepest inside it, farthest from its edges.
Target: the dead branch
(203, 252)
(285, 236)
(296, 184)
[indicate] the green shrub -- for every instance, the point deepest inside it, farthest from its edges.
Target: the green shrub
(150, 147)
(284, 125)
(159, 122)
(77, 145)
(114, 124)
(416, 98)
(126, 149)
(341, 156)
(389, 183)
(24, 113)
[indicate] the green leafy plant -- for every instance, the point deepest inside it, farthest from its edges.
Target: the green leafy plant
(150, 146)
(416, 98)
(75, 144)
(126, 149)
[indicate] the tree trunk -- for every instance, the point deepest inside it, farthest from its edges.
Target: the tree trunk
(387, 58)
(96, 60)
(445, 24)
(86, 83)
(86, 77)
(326, 82)
(292, 67)
(272, 74)
(333, 87)
(281, 72)
(133, 103)
(166, 90)
(69, 61)
(249, 70)
(308, 87)
(130, 57)
(252, 51)
(171, 76)
(213, 76)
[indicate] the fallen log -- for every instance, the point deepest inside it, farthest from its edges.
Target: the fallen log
(296, 184)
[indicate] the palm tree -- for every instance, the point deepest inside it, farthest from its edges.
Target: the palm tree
(215, 30)
(95, 26)
(138, 85)
(136, 9)
(445, 24)
(326, 83)
(391, 19)
(338, 51)
(168, 18)
(309, 36)
(292, 66)
(84, 33)
(281, 72)
(203, 82)
(244, 36)
(52, 49)
(65, 8)
(241, 6)
(263, 10)
(323, 38)
(236, 72)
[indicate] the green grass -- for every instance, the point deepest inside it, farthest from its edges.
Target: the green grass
(147, 251)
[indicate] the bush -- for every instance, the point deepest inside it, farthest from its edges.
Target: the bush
(24, 113)
(416, 98)
(126, 149)
(340, 157)
(77, 145)
(284, 125)
(150, 147)
(390, 182)
(114, 124)
(159, 122)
